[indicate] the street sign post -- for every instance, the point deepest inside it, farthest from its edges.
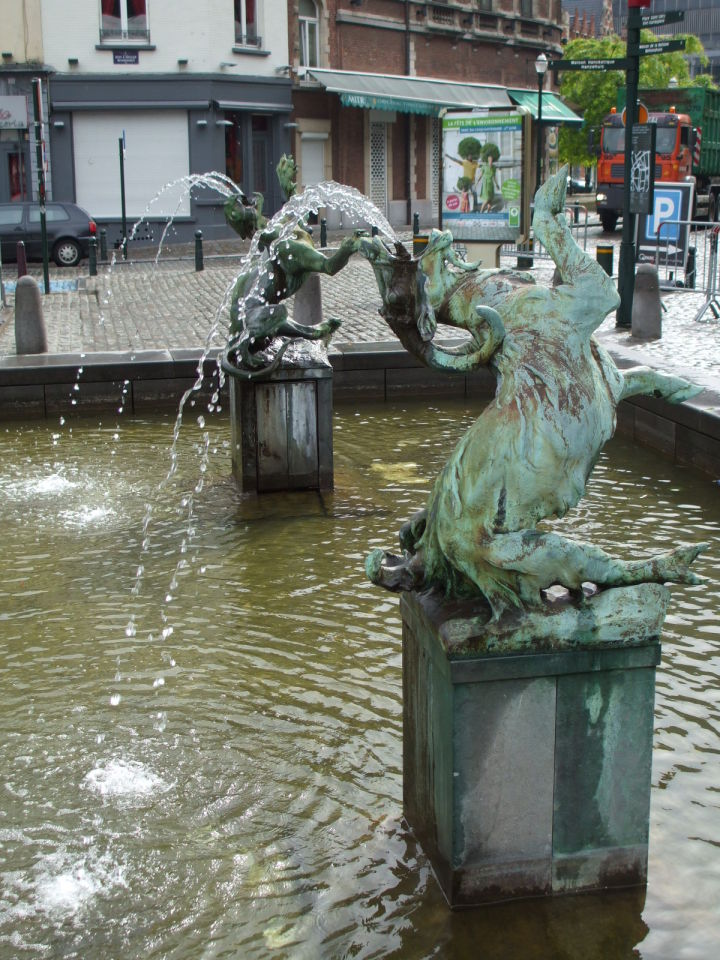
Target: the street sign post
(40, 159)
(631, 65)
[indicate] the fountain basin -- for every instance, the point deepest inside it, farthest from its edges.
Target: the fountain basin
(224, 774)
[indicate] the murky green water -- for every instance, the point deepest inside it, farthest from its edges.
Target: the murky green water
(212, 768)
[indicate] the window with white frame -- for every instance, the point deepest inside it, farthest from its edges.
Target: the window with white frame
(124, 20)
(246, 24)
(309, 31)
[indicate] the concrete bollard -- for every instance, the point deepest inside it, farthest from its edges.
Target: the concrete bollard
(647, 309)
(307, 307)
(30, 334)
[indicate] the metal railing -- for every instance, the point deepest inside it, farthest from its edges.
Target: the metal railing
(690, 265)
(577, 217)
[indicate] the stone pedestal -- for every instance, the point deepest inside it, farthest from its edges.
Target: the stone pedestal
(282, 429)
(526, 775)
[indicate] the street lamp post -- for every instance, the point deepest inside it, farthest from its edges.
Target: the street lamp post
(541, 65)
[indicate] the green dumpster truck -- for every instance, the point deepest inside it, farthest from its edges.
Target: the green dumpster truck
(688, 145)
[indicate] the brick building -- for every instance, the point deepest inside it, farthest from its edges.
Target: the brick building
(370, 78)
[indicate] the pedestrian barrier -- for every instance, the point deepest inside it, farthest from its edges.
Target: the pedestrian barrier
(689, 266)
(577, 217)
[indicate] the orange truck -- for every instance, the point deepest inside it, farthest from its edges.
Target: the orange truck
(687, 147)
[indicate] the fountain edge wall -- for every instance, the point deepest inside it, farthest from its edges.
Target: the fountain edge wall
(143, 382)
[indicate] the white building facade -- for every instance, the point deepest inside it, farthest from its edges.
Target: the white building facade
(188, 87)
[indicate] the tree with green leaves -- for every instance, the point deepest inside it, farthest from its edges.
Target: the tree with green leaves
(592, 93)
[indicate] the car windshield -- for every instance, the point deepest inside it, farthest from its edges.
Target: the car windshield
(614, 139)
(666, 137)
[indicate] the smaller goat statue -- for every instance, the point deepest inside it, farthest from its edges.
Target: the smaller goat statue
(261, 329)
(528, 456)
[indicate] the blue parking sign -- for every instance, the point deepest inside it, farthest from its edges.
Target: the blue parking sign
(663, 234)
(667, 207)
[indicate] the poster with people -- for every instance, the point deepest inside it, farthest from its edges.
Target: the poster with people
(482, 175)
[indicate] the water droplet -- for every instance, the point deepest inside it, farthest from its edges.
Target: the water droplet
(159, 682)
(167, 632)
(130, 629)
(115, 699)
(201, 421)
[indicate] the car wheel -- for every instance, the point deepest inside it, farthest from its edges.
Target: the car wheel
(66, 253)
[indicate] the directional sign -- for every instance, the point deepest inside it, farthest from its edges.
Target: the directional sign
(660, 19)
(662, 46)
(620, 63)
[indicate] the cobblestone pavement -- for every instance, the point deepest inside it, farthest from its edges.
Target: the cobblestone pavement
(141, 305)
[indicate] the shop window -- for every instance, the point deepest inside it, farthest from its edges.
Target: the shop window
(124, 20)
(246, 23)
(309, 30)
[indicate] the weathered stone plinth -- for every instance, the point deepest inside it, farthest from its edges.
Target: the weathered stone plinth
(282, 429)
(526, 775)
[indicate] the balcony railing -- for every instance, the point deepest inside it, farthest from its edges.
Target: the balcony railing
(247, 40)
(132, 34)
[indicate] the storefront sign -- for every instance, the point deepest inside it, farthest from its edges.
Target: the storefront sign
(13, 113)
(482, 175)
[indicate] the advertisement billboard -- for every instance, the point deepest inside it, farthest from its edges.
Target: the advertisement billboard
(482, 176)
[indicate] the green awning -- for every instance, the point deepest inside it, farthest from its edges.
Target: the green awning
(423, 95)
(554, 110)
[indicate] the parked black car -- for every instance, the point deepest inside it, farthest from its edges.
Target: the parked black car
(576, 185)
(69, 229)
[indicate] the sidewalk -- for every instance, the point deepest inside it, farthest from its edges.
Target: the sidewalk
(138, 305)
(132, 337)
